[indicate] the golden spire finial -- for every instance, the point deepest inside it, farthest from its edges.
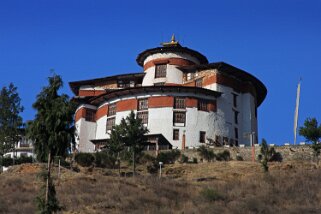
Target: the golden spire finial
(173, 42)
(173, 38)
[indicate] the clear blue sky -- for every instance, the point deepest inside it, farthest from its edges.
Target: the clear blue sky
(277, 41)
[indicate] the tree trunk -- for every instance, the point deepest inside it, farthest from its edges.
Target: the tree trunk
(48, 177)
(134, 165)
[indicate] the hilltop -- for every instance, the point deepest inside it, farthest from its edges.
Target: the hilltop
(218, 187)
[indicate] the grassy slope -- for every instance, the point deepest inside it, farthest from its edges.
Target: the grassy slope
(220, 187)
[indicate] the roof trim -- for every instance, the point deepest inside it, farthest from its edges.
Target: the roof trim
(74, 86)
(131, 91)
(143, 55)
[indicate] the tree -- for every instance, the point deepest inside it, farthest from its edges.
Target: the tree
(267, 153)
(10, 120)
(129, 133)
(312, 132)
(52, 129)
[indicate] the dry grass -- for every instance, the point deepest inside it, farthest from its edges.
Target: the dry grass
(220, 187)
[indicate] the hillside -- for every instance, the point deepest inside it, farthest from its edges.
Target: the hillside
(219, 187)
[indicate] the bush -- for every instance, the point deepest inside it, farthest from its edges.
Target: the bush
(276, 157)
(206, 153)
(84, 159)
(211, 195)
(194, 160)
(9, 161)
(103, 159)
(223, 156)
(239, 157)
(168, 157)
(184, 159)
(152, 167)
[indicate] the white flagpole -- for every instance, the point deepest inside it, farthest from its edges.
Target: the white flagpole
(296, 114)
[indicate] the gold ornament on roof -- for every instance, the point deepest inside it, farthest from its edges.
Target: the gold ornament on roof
(172, 43)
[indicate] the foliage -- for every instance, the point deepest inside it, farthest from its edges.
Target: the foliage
(184, 159)
(10, 120)
(312, 132)
(52, 129)
(206, 153)
(168, 157)
(239, 157)
(223, 156)
(130, 133)
(104, 159)
(266, 154)
(7, 161)
(84, 159)
(211, 195)
(195, 160)
(52, 206)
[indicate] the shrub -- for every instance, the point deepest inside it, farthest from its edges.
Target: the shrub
(194, 160)
(184, 159)
(211, 195)
(7, 161)
(84, 159)
(168, 157)
(206, 153)
(223, 156)
(239, 158)
(152, 167)
(103, 159)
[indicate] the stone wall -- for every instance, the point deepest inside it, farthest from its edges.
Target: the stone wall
(299, 152)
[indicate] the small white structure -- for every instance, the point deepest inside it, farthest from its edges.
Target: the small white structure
(23, 148)
(184, 101)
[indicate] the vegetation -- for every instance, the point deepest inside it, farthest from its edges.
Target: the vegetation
(312, 132)
(168, 157)
(10, 120)
(84, 159)
(52, 131)
(130, 133)
(205, 153)
(223, 156)
(266, 153)
(7, 161)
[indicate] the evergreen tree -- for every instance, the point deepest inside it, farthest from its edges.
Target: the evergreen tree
(312, 132)
(267, 153)
(52, 129)
(129, 133)
(10, 120)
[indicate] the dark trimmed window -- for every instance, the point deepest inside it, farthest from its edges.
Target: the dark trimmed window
(234, 100)
(179, 103)
(199, 82)
(236, 133)
(202, 137)
(236, 120)
(142, 104)
(202, 105)
(143, 115)
(179, 117)
(110, 123)
(90, 115)
(176, 134)
(111, 109)
(160, 70)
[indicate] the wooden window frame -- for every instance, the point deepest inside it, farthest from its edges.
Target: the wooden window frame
(202, 138)
(179, 103)
(90, 115)
(111, 109)
(202, 105)
(179, 119)
(143, 115)
(175, 134)
(142, 104)
(110, 123)
(199, 82)
(160, 70)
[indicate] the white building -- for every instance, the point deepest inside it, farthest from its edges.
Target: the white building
(24, 148)
(183, 100)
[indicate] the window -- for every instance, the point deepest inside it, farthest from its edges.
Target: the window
(234, 100)
(255, 112)
(111, 109)
(198, 82)
(202, 137)
(176, 134)
(160, 70)
(142, 104)
(179, 117)
(236, 117)
(236, 133)
(90, 115)
(159, 84)
(143, 115)
(179, 103)
(202, 105)
(110, 123)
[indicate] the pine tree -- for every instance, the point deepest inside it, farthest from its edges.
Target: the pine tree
(52, 129)
(10, 120)
(312, 132)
